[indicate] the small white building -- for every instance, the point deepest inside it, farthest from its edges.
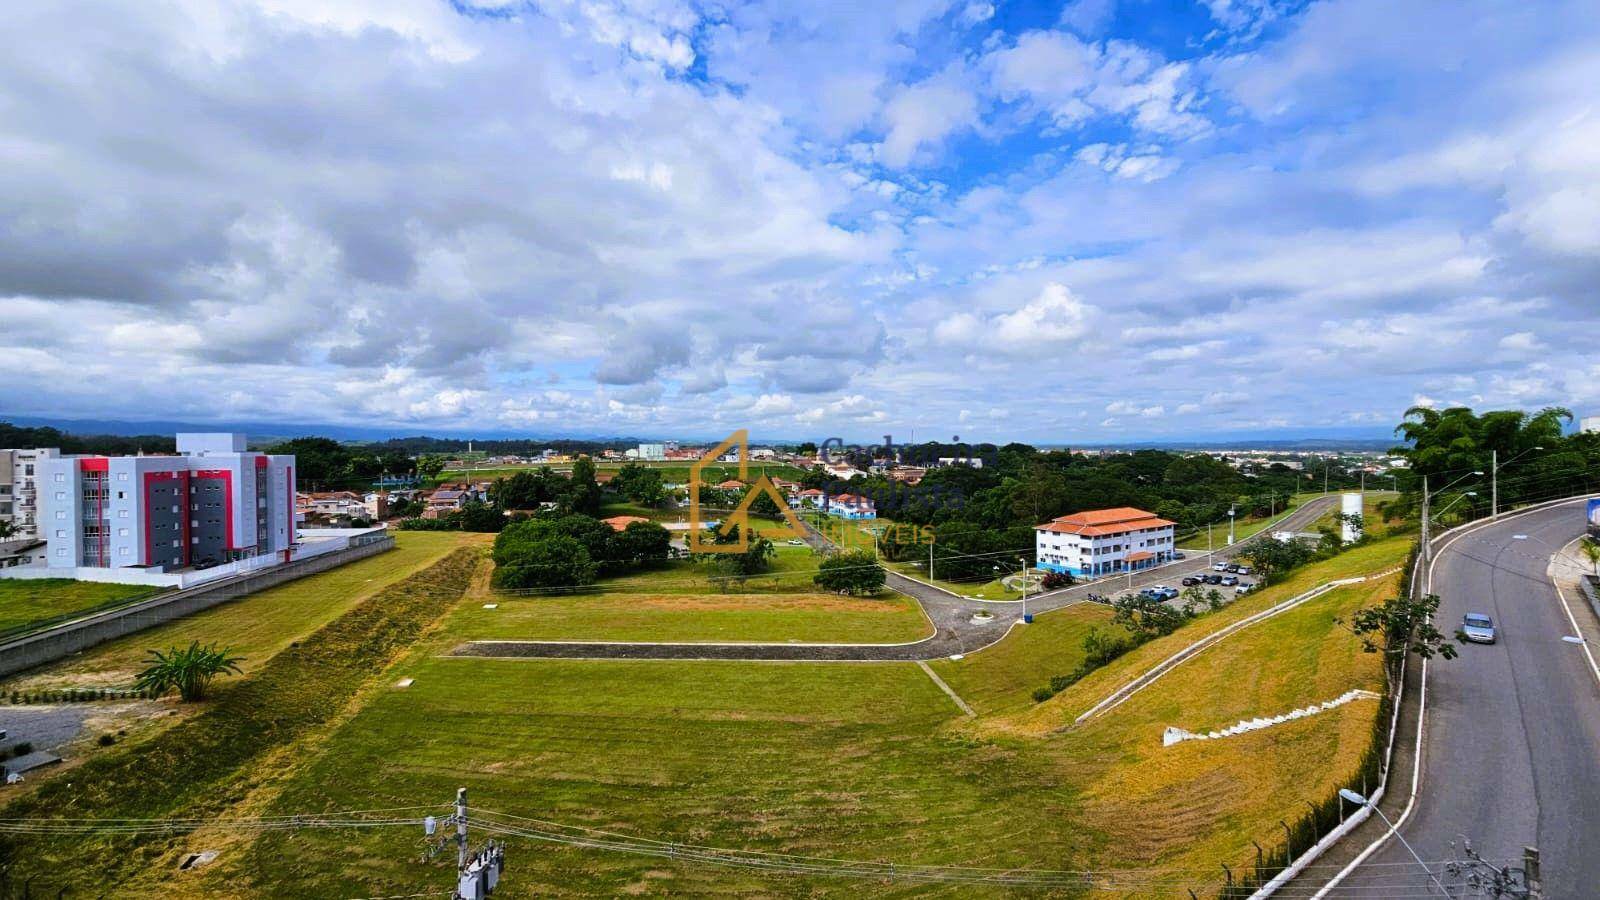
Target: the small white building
(652, 452)
(1103, 541)
(1589, 424)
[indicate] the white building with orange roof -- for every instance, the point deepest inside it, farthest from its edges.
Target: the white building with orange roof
(1103, 541)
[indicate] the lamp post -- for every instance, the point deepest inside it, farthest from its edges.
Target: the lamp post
(1494, 467)
(1427, 516)
(1359, 800)
(1022, 576)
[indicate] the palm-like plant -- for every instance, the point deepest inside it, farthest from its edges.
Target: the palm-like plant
(190, 670)
(1592, 551)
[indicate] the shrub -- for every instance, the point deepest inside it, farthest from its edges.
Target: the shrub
(190, 670)
(106, 740)
(22, 749)
(855, 572)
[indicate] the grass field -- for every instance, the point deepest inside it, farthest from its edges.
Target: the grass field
(691, 612)
(859, 761)
(26, 603)
(259, 625)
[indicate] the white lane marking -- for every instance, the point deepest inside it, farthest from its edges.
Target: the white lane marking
(1568, 608)
(1450, 537)
(1519, 537)
(1572, 639)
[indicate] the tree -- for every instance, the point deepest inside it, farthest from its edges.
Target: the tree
(430, 466)
(583, 492)
(190, 670)
(1402, 625)
(480, 517)
(644, 542)
(542, 561)
(1271, 558)
(734, 568)
(640, 484)
(7, 530)
(1145, 616)
(852, 572)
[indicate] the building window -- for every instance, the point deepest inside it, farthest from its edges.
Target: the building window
(122, 532)
(122, 551)
(122, 514)
(60, 477)
(61, 514)
(122, 476)
(61, 532)
(61, 495)
(122, 495)
(61, 551)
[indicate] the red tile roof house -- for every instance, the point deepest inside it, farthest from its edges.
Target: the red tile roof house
(852, 506)
(808, 497)
(621, 523)
(1102, 541)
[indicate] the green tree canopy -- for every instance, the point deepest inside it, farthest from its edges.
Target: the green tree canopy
(852, 572)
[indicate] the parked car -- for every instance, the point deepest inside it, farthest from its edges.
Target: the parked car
(1192, 580)
(1243, 588)
(1244, 570)
(1178, 554)
(1229, 581)
(1219, 567)
(1234, 568)
(1477, 628)
(1213, 579)
(797, 542)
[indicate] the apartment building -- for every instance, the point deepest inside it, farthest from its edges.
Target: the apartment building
(1103, 541)
(213, 503)
(19, 494)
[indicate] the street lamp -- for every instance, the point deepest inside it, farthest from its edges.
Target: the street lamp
(1359, 800)
(1458, 499)
(1495, 466)
(1022, 576)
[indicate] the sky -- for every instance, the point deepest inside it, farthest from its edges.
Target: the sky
(1102, 220)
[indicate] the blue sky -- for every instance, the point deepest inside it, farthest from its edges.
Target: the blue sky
(1096, 221)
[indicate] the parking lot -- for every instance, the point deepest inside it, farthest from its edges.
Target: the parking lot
(1223, 575)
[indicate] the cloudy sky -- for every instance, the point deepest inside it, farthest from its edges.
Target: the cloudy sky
(1109, 219)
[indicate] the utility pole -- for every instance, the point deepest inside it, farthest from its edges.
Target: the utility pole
(1232, 510)
(1426, 549)
(461, 828)
(1530, 871)
(1494, 484)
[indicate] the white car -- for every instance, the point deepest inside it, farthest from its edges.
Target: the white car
(1477, 628)
(1219, 567)
(797, 542)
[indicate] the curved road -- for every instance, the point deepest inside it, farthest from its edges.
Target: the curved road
(1511, 733)
(955, 631)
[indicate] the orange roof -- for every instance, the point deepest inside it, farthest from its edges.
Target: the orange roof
(730, 485)
(1140, 556)
(621, 523)
(851, 498)
(1104, 522)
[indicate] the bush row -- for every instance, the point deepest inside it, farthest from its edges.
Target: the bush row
(77, 695)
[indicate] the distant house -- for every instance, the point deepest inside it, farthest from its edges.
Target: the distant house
(621, 523)
(852, 506)
(1103, 541)
(809, 497)
(444, 500)
(731, 484)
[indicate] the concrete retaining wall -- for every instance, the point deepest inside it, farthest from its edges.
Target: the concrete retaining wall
(71, 637)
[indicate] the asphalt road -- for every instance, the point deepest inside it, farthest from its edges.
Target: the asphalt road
(956, 630)
(1511, 740)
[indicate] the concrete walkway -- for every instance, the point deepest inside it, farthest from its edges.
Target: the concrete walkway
(957, 627)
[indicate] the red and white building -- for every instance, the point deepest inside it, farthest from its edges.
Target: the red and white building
(1103, 541)
(213, 503)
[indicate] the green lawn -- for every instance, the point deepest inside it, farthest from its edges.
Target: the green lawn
(677, 601)
(831, 760)
(1002, 677)
(24, 604)
(259, 625)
